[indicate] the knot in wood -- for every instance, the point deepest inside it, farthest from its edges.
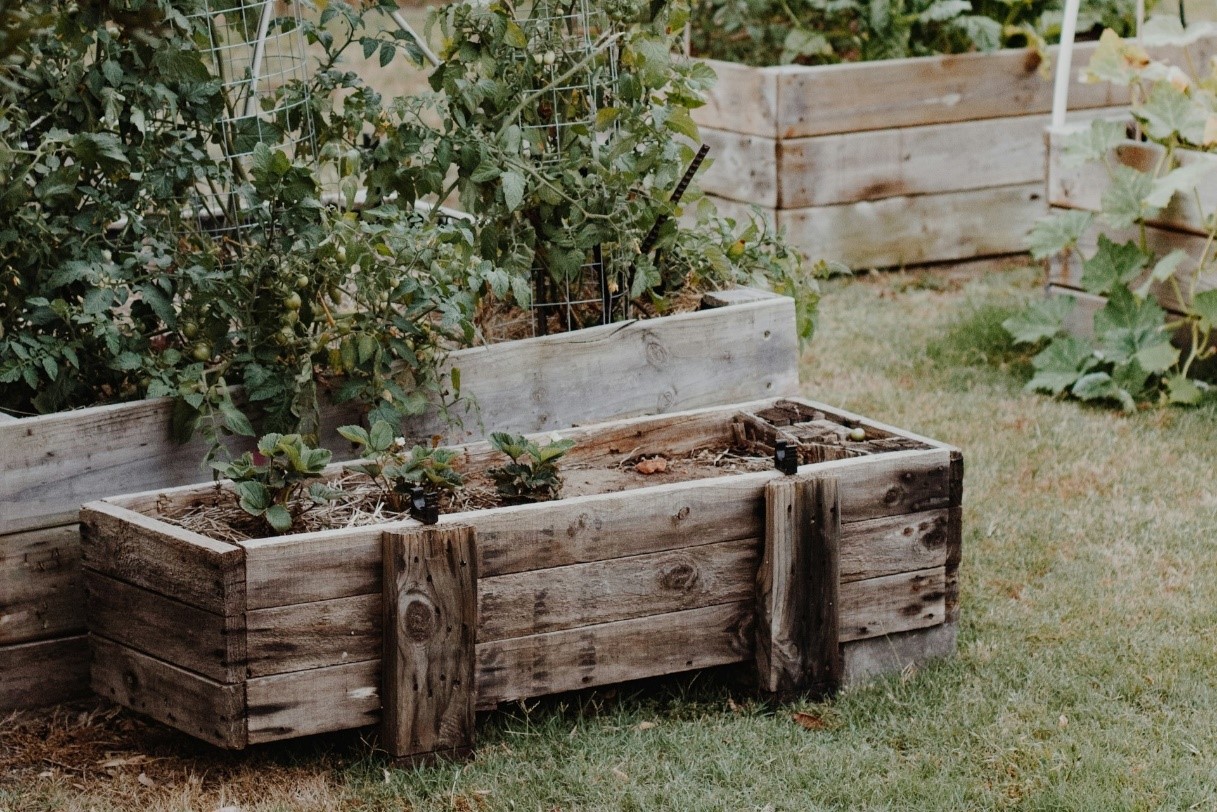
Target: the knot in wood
(680, 575)
(894, 494)
(419, 620)
(657, 353)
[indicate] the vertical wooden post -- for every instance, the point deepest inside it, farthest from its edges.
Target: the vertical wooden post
(430, 615)
(798, 646)
(954, 537)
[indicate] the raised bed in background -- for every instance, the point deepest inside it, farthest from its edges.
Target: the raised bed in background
(891, 163)
(1179, 226)
(745, 346)
(845, 569)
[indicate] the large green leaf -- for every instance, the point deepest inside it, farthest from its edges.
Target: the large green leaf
(1113, 264)
(1204, 305)
(1124, 200)
(1169, 112)
(1130, 329)
(1100, 386)
(1181, 179)
(1164, 269)
(1060, 365)
(1093, 143)
(1115, 60)
(1051, 235)
(1039, 320)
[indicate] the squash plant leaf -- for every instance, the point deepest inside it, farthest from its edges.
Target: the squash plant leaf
(1093, 143)
(1171, 112)
(1163, 270)
(1181, 179)
(1131, 330)
(1115, 60)
(1124, 200)
(1113, 265)
(1183, 390)
(1040, 320)
(1100, 386)
(1061, 364)
(1204, 305)
(1052, 235)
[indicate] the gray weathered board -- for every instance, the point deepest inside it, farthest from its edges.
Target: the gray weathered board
(1179, 226)
(742, 347)
(286, 632)
(891, 163)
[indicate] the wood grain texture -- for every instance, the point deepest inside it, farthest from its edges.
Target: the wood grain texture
(797, 583)
(179, 634)
(893, 544)
(954, 557)
(542, 601)
(319, 700)
(830, 170)
(191, 703)
(614, 652)
(40, 585)
(45, 672)
(311, 635)
(162, 558)
(429, 622)
(893, 603)
(795, 101)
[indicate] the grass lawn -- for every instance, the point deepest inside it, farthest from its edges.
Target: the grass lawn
(1087, 669)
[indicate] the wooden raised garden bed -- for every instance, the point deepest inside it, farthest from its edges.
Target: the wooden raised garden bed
(51, 464)
(890, 163)
(1181, 225)
(846, 568)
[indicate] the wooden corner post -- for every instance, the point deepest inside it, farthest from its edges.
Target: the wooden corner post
(430, 622)
(798, 622)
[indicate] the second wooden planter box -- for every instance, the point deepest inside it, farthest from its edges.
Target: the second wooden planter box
(890, 163)
(845, 568)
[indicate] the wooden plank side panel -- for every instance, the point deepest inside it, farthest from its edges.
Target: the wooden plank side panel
(341, 631)
(430, 619)
(680, 362)
(893, 603)
(744, 167)
(40, 585)
(925, 90)
(201, 707)
(743, 100)
(133, 548)
(541, 601)
(45, 672)
(898, 231)
(894, 544)
(325, 699)
(182, 635)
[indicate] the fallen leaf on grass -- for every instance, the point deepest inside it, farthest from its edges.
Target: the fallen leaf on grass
(122, 762)
(654, 465)
(809, 721)
(146, 781)
(620, 774)
(644, 726)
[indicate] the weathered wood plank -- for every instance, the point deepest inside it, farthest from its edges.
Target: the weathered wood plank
(831, 170)
(430, 619)
(315, 701)
(951, 568)
(866, 660)
(893, 603)
(614, 652)
(683, 361)
(822, 500)
(40, 585)
(797, 583)
(45, 672)
(795, 101)
(541, 601)
(182, 635)
(136, 549)
(313, 635)
(201, 707)
(893, 544)
(898, 231)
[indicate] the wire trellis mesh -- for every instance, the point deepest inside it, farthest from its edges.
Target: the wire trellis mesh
(571, 45)
(253, 48)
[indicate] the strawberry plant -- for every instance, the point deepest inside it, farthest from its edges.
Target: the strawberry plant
(532, 475)
(1131, 357)
(271, 490)
(397, 468)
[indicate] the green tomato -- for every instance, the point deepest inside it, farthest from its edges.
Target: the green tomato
(301, 282)
(190, 328)
(292, 301)
(201, 351)
(857, 434)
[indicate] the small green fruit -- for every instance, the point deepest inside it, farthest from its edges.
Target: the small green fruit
(292, 301)
(201, 351)
(857, 434)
